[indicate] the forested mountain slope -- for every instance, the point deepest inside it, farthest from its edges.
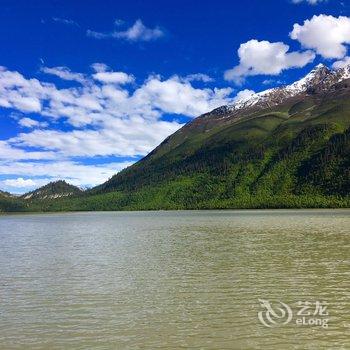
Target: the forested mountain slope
(280, 151)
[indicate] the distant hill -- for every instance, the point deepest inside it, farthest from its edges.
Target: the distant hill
(10, 203)
(6, 194)
(53, 190)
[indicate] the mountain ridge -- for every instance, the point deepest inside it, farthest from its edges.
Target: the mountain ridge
(53, 190)
(320, 76)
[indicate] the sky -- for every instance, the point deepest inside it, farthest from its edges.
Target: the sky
(89, 87)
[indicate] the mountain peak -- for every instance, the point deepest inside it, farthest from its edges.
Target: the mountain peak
(320, 78)
(320, 69)
(52, 190)
(314, 77)
(320, 65)
(343, 72)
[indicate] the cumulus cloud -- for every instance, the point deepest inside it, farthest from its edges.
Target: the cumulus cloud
(113, 77)
(140, 32)
(199, 77)
(118, 138)
(327, 35)
(8, 152)
(19, 182)
(27, 104)
(19, 93)
(73, 172)
(105, 118)
(137, 32)
(105, 75)
(22, 185)
(175, 96)
(342, 63)
(244, 95)
(311, 2)
(64, 73)
(263, 57)
(99, 67)
(93, 104)
(31, 123)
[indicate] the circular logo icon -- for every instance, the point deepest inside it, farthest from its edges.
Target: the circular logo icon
(271, 316)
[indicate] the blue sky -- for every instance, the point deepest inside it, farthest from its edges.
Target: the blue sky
(89, 87)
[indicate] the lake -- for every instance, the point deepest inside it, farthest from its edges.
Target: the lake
(176, 280)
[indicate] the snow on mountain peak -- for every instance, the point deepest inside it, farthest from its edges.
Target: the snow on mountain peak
(320, 75)
(343, 73)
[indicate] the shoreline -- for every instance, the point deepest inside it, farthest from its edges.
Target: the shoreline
(236, 210)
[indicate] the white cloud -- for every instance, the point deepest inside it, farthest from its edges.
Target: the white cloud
(8, 152)
(175, 96)
(19, 182)
(19, 93)
(263, 57)
(73, 172)
(21, 185)
(327, 35)
(140, 32)
(99, 67)
(31, 123)
(27, 104)
(311, 2)
(199, 77)
(244, 95)
(98, 35)
(137, 32)
(105, 75)
(342, 63)
(95, 104)
(65, 21)
(104, 120)
(119, 138)
(64, 73)
(113, 77)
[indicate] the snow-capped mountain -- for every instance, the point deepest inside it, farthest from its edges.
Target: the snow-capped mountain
(321, 78)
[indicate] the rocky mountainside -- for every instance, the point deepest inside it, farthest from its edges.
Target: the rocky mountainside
(53, 190)
(320, 79)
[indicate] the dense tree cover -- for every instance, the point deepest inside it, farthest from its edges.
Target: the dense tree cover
(295, 176)
(328, 171)
(12, 204)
